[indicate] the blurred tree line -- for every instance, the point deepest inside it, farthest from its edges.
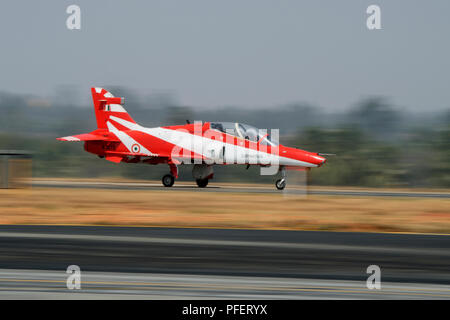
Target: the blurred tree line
(376, 144)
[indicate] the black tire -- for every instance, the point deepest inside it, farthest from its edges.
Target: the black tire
(280, 184)
(168, 180)
(202, 183)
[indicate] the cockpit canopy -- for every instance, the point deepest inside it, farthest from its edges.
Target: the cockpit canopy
(244, 131)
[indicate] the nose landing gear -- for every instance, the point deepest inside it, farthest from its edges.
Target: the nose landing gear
(281, 183)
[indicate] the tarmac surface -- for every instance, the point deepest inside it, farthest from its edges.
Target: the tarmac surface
(236, 188)
(178, 263)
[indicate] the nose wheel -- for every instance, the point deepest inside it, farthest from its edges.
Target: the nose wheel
(168, 180)
(280, 184)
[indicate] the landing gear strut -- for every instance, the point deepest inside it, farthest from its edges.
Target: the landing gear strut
(281, 183)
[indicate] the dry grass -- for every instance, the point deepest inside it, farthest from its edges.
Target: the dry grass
(222, 210)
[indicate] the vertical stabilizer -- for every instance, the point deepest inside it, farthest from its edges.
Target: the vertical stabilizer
(106, 105)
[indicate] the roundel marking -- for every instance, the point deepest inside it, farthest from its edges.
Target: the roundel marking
(135, 148)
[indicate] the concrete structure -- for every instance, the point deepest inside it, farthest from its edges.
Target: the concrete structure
(15, 168)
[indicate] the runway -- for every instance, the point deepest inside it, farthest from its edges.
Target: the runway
(169, 263)
(39, 284)
(236, 188)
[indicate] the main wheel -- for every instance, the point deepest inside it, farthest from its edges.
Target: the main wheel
(168, 180)
(202, 183)
(280, 184)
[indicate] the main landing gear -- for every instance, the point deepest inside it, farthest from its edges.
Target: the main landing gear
(281, 183)
(169, 179)
(202, 173)
(202, 183)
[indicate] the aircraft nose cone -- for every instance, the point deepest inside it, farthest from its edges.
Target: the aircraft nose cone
(319, 160)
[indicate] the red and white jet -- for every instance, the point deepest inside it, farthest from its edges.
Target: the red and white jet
(119, 138)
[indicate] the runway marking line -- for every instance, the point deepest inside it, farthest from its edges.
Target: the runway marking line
(260, 187)
(167, 286)
(142, 239)
(214, 228)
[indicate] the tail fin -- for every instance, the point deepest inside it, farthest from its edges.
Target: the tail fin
(106, 105)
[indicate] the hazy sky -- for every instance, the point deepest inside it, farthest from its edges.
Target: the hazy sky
(228, 52)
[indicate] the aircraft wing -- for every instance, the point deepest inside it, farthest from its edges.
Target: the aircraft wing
(121, 154)
(88, 137)
(117, 156)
